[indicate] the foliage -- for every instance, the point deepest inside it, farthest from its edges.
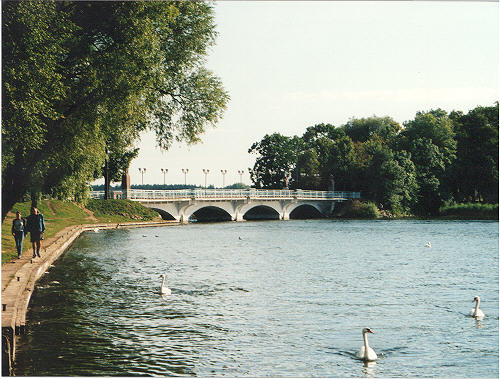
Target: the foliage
(474, 211)
(363, 129)
(83, 79)
(277, 157)
(237, 186)
(474, 175)
(358, 210)
(434, 159)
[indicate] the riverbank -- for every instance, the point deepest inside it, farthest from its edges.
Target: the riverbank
(20, 275)
(60, 214)
(368, 210)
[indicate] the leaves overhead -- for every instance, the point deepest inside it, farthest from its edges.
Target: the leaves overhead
(81, 78)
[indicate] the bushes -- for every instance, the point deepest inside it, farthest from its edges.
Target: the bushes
(470, 211)
(357, 209)
(111, 208)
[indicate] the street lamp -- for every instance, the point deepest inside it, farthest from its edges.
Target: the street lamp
(241, 173)
(164, 171)
(185, 171)
(223, 177)
(206, 171)
(142, 171)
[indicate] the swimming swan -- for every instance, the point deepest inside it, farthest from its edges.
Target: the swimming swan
(476, 312)
(428, 244)
(164, 290)
(366, 353)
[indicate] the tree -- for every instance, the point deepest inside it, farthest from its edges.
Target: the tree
(97, 73)
(276, 158)
(362, 129)
(307, 174)
(33, 42)
(430, 140)
(474, 175)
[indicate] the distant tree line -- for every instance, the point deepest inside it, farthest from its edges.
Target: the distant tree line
(437, 158)
(82, 79)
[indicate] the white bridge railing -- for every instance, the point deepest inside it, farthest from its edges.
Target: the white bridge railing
(226, 194)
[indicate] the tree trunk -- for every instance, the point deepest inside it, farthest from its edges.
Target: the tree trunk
(106, 176)
(14, 186)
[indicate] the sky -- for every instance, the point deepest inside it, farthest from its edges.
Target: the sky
(288, 65)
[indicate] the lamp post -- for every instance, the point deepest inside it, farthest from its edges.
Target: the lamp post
(142, 171)
(164, 171)
(223, 177)
(206, 171)
(241, 173)
(185, 171)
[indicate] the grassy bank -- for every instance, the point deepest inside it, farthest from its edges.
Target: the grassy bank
(61, 214)
(469, 211)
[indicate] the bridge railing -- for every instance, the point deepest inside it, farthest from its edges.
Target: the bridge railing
(186, 194)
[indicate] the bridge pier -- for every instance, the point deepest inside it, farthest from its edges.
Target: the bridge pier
(239, 217)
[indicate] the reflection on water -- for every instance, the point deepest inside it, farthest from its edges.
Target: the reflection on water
(285, 299)
(369, 369)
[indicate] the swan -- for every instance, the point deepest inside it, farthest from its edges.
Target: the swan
(428, 244)
(476, 312)
(164, 290)
(366, 353)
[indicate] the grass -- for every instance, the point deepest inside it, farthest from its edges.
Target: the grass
(470, 211)
(60, 214)
(114, 210)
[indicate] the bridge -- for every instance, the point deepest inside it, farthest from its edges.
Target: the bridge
(235, 204)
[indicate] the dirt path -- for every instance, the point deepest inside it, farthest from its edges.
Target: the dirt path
(51, 209)
(90, 213)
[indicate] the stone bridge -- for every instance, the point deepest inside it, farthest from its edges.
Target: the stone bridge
(236, 204)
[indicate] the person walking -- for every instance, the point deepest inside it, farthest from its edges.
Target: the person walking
(18, 231)
(36, 226)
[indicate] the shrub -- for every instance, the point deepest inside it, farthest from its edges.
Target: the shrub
(357, 209)
(470, 211)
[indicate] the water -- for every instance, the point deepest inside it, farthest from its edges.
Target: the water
(281, 299)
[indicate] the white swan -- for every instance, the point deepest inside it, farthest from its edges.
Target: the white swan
(366, 353)
(428, 244)
(164, 290)
(476, 312)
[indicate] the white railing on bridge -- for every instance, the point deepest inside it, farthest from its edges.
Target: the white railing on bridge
(228, 194)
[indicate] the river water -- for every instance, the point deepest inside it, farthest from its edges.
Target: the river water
(274, 298)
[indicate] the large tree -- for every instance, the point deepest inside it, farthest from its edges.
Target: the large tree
(81, 79)
(276, 159)
(474, 175)
(430, 140)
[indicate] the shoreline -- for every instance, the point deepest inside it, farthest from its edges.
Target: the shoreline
(19, 277)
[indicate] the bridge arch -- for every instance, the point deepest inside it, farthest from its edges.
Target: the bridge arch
(260, 212)
(209, 214)
(219, 211)
(305, 211)
(164, 214)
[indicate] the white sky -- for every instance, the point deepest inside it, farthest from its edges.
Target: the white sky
(288, 65)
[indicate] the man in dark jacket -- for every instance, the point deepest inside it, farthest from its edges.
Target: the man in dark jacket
(36, 226)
